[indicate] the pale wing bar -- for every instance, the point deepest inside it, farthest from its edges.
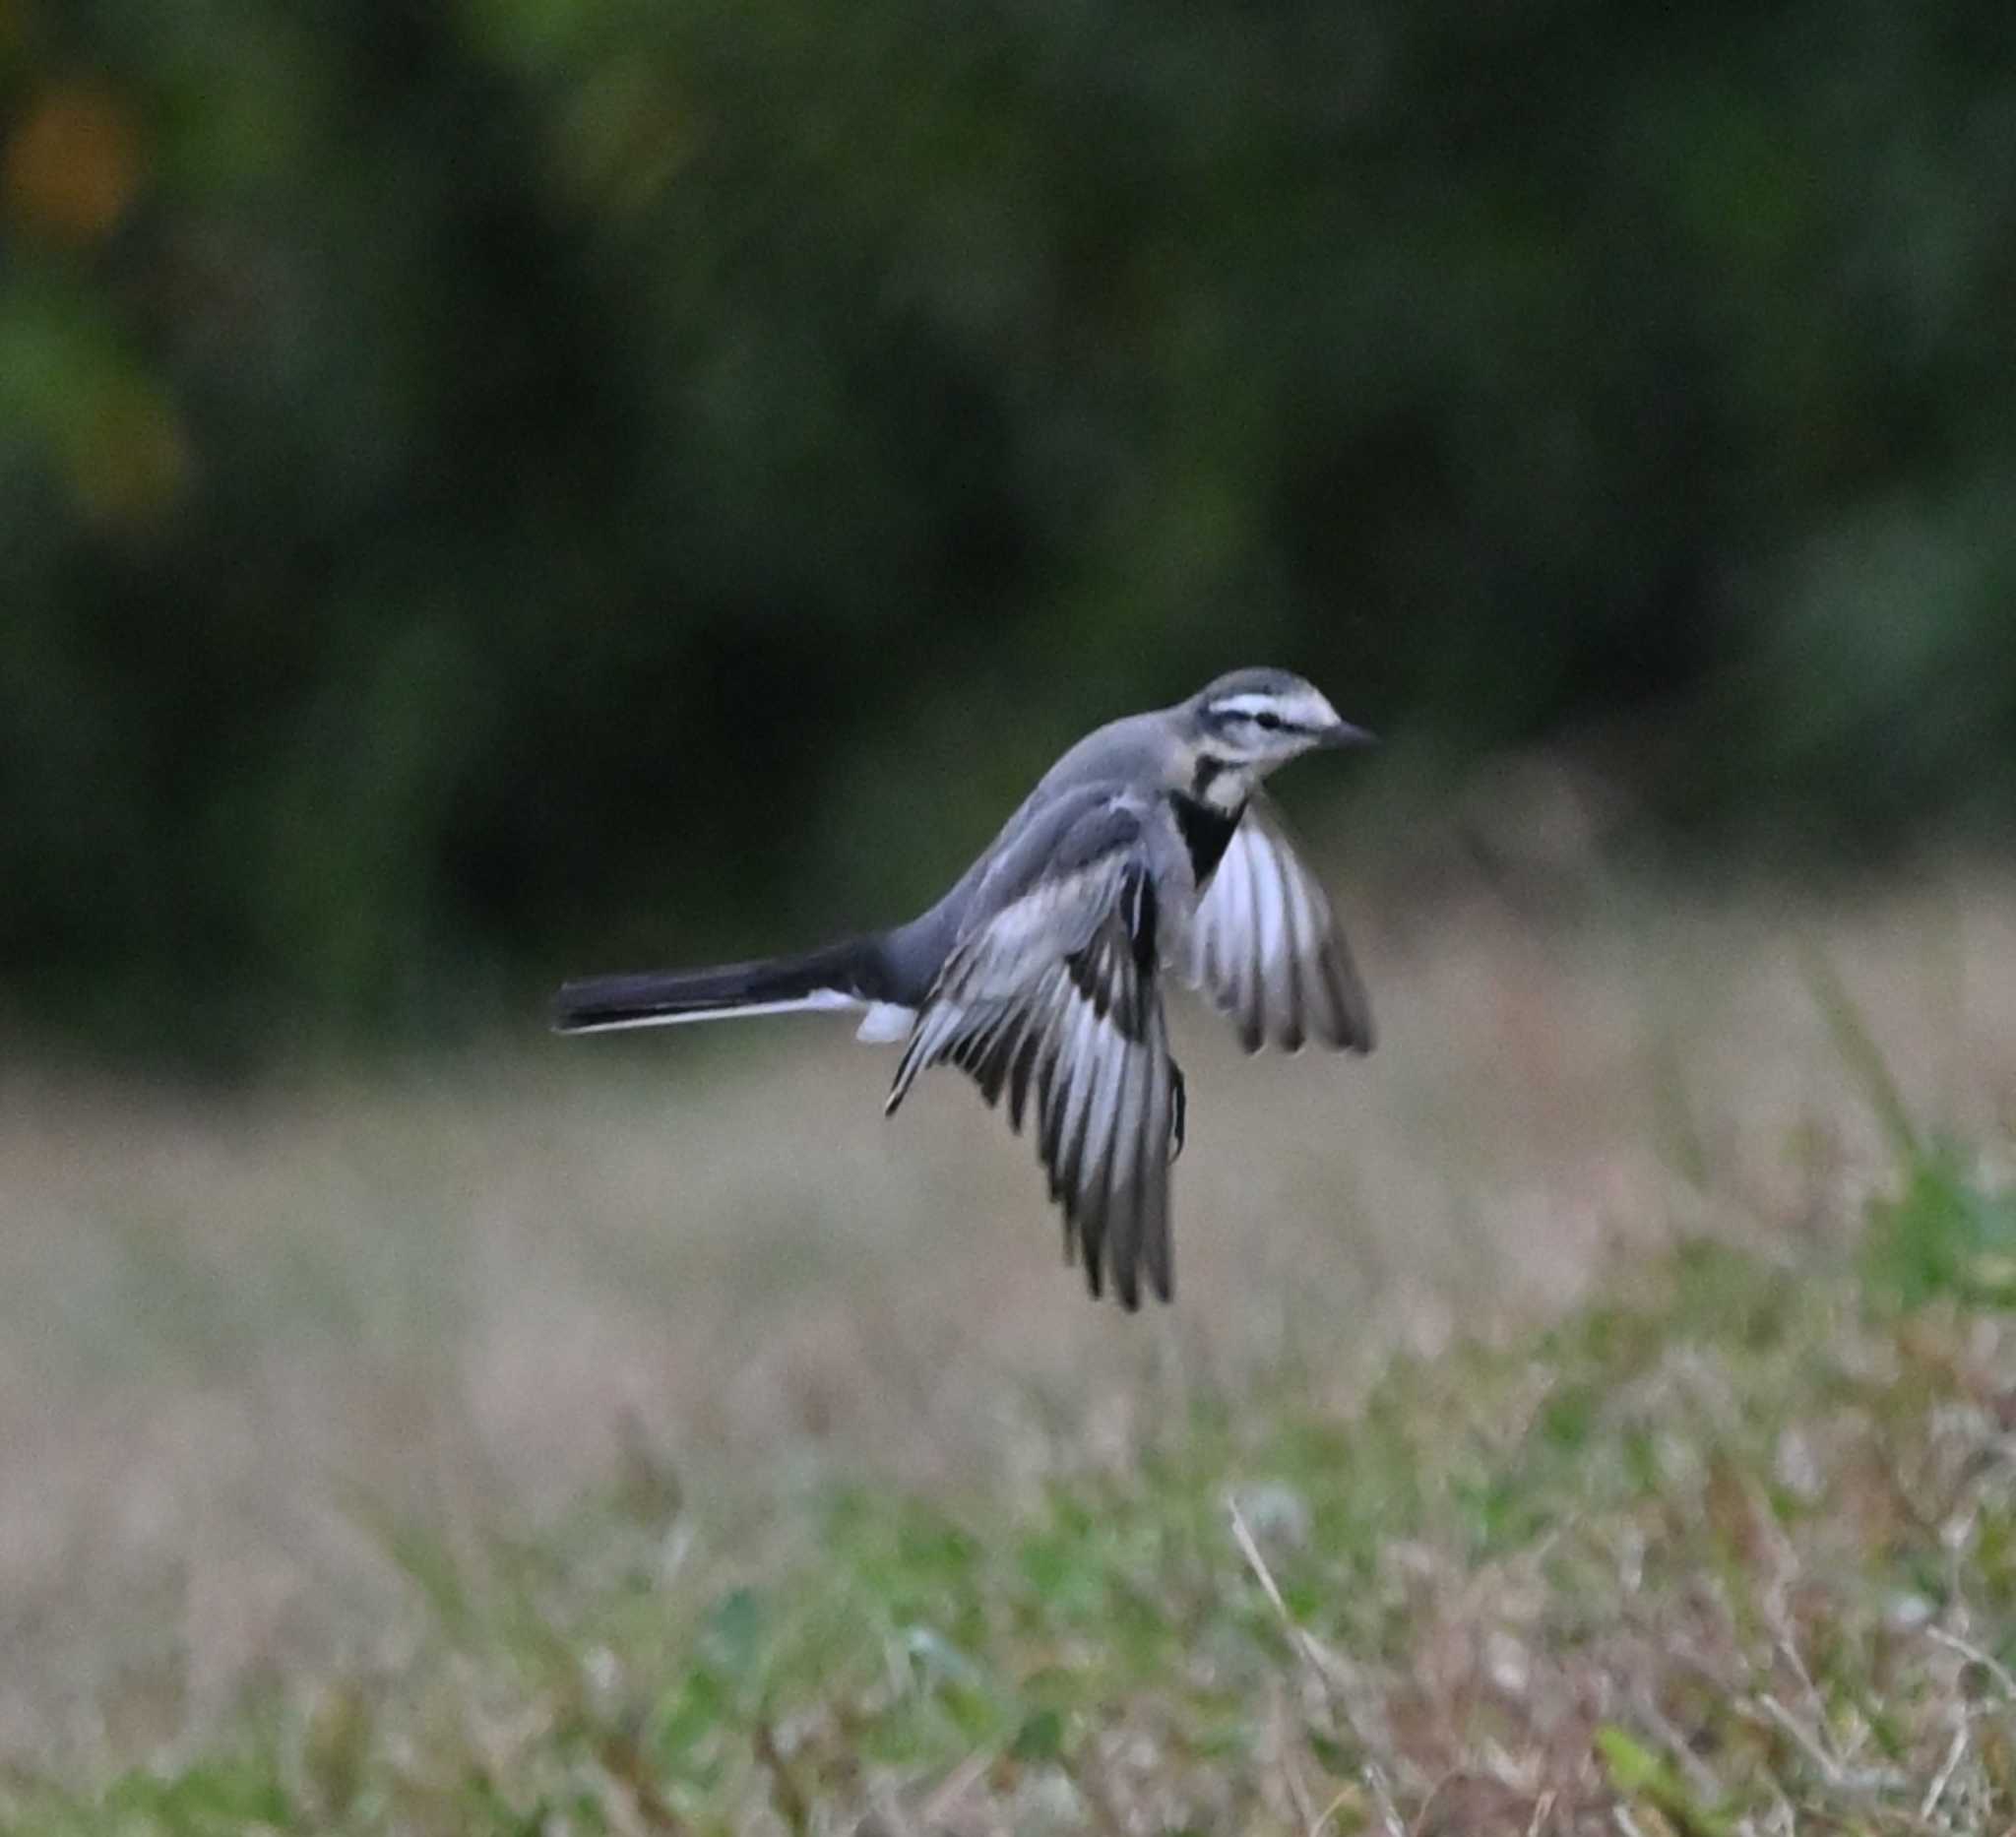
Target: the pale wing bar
(1265, 946)
(1056, 997)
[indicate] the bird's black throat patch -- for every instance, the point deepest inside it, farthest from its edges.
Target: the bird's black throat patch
(1206, 832)
(1206, 774)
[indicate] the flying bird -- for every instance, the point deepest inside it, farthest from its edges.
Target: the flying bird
(1149, 848)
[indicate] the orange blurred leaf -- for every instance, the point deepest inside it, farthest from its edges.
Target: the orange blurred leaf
(72, 163)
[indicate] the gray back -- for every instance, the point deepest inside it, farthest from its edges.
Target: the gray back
(1132, 753)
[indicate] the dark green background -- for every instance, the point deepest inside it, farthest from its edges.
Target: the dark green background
(521, 485)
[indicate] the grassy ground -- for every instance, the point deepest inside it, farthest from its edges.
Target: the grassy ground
(1595, 1413)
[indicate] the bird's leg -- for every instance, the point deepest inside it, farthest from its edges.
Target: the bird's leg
(1179, 1105)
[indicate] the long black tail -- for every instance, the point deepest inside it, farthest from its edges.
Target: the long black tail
(836, 976)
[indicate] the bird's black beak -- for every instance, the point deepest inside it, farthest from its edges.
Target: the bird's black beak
(1342, 734)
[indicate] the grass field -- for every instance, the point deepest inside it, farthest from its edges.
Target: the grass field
(1596, 1412)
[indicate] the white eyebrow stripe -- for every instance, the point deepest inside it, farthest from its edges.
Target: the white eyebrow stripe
(1297, 715)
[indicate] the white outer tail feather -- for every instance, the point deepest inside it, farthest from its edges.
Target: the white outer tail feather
(826, 999)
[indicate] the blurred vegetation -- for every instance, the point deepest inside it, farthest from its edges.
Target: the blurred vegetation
(489, 482)
(1728, 1543)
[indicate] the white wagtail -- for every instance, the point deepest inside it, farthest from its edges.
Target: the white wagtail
(1149, 845)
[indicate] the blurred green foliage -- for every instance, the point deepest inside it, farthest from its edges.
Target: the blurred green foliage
(489, 483)
(1380, 1593)
(1949, 1232)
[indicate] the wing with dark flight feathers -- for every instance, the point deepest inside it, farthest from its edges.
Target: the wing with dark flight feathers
(1054, 999)
(1263, 945)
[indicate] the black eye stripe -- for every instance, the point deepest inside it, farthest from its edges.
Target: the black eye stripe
(1263, 718)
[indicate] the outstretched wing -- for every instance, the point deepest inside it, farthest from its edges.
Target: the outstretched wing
(1264, 945)
(1057, 994)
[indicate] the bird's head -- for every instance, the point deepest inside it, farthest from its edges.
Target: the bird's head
(1245, 725)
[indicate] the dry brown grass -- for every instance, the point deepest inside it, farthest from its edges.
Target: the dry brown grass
(236, 1334)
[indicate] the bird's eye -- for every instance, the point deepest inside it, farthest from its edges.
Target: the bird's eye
(1271, 722)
